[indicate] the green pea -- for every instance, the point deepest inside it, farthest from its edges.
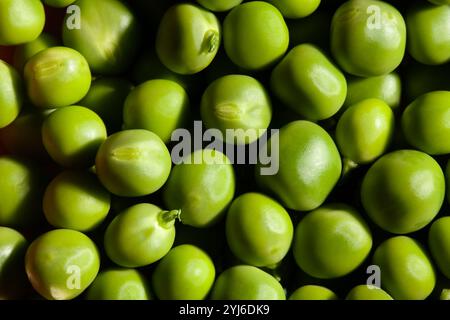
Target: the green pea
(425, 122)
(364, 130)
(188, 38)
(185, 273)
(255, 35)
(428, 28)
(160, 106)
(108, 36)
(259, 230)
(72, 136)
(312, 292)
(445, 294)
(140, 235)
(307, 81)
(13, 280)
(24, 52)
(368, 37)
(309, 166)
(385, 87)
(246, 283)
(295, 9)
(219, 5)
(133, 163)
(21, 21)
(76, 200)
(331, 241)
(406, 271)
(202, 186)
(106, 97)
(58, 3)
(240, 103)
(11, 94)
(440, 1)
(61, 264)
(20, 192)
(365, 292)
(403, 191)
(119, 284)
(439, 244)
(57, 77)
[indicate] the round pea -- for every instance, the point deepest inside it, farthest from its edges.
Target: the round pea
(188, 38)
(185, 273)
(259, 230)
(201, 185)
(428, 28)
(76, 200)
(364, 130)
(445, 294)
(21, 21)
(309, 165)
(236, 102)
(108, 35)
(331, 241)
(20, 192)
(365, 292)
(246, 283)
(13, 280)
(219, 5)
(439, 244)
(160, 106)
(119, 284)
(57, 77)
(307, 81)
(72, 136)
(406, 271)
(385, 87)
(295, 9)
(255, 35)
(61, 264)
(403, 191)
(312, 292)
(425, 122)
(140, 235)
(11, 94)
(58, 3)
(368, 37)
(24, 52)
(106, 97)
(133, 163)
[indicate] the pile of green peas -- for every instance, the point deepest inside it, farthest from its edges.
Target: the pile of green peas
(93, 207)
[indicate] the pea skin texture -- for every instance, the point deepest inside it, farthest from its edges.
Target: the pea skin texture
(188, 38)
(11, 94)
(76, 200)
(295, 9)
(309, 166)
(255, 35)
(237, 102)
(360, 27)
(439, 244)
(406, 271)
(403, 191)
(365, 292)
(219, 5)
(61, 264)
(140, 235)
(365, 130)
(185, 273)
(306, 81)
(244, 282)
(119, 284)
(133, 163)
(203, 189)
(312, 292)
(259, 230)
(57, 77)
(425, 122)
(160, 106)
(339, 238)
(72, 136)
(21, 21)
